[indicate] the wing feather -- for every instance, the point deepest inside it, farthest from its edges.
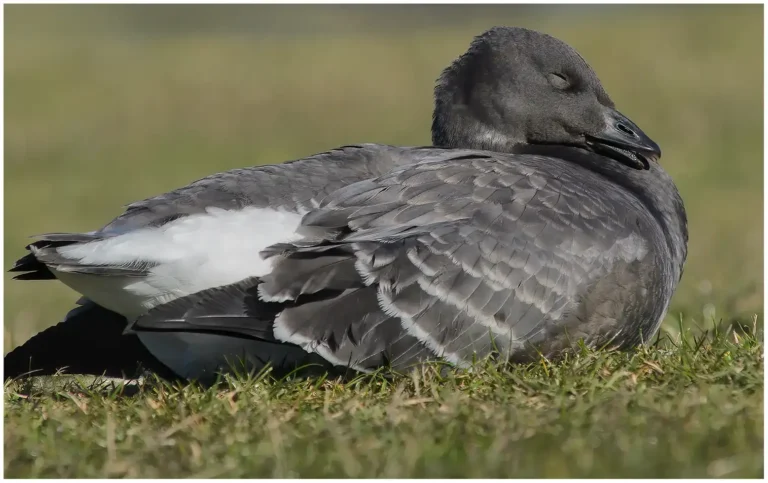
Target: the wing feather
(475, 256)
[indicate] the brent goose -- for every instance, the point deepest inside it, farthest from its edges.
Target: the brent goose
(540, 217)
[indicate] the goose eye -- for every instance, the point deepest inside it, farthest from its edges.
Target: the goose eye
(559, 81)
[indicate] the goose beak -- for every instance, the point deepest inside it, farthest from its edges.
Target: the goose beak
(622, 140)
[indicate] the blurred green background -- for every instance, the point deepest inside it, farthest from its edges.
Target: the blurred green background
(109, 104)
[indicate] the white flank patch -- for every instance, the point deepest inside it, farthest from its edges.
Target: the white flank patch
(193, 253)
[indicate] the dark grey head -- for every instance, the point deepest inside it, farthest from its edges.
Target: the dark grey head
(516, 86)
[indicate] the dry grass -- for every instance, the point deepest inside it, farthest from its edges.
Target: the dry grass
(684, 411)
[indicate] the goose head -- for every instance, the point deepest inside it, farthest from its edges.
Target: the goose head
(517, 86)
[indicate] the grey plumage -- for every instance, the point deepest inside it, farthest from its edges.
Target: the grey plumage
(543, 218)
(344, 327)
(292, 186)
(474, 274)
(514, 262)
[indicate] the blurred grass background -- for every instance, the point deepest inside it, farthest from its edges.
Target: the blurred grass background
(109, 104)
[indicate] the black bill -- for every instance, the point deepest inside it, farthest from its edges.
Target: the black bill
(623, 141)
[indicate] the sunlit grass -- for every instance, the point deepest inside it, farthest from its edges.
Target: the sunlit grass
(690, 409)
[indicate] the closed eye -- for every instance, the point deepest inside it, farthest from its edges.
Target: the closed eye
(559, 81)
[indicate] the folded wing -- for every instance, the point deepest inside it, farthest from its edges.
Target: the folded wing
(456, 258)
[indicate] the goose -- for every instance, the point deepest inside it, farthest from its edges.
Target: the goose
(539, 217)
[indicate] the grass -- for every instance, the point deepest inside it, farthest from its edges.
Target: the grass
(691, 409)
(108, 104)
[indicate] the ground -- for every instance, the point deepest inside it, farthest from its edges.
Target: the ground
(690, 409)
(107, 105)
